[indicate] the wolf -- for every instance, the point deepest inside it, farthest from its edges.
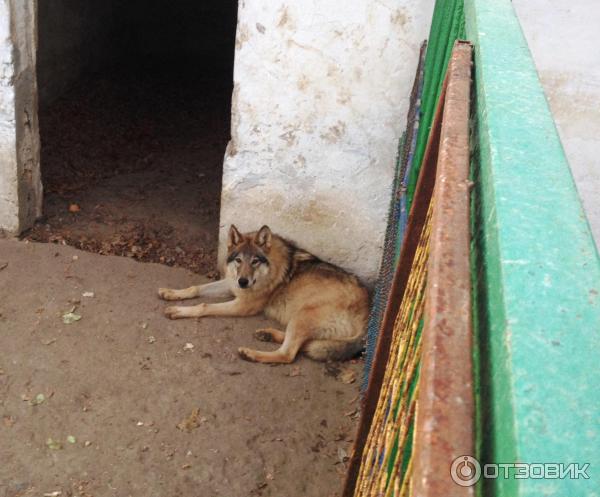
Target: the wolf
(324, 309)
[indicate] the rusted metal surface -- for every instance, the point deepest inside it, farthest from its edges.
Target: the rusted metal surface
(416, 221)
(445, 412)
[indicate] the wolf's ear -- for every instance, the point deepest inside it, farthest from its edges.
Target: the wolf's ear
(263, 237)
(235, 237)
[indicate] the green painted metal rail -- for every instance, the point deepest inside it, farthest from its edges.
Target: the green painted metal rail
(447, 25)
(536, 274)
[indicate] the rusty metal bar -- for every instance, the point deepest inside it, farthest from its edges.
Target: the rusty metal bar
(416, 221)
(445, 410)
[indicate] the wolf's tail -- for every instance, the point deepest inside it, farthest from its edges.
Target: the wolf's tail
(332, 350)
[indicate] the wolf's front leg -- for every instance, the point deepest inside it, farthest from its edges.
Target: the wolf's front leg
(214, 289)
(234, 307)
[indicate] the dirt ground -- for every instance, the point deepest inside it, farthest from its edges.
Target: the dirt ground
(91, 407)
(132, 165)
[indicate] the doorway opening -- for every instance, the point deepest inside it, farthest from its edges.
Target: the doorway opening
(134, 110)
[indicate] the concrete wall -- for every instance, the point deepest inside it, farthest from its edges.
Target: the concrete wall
(320, 100)
(20, 183)
(8, 169)
(564, 39)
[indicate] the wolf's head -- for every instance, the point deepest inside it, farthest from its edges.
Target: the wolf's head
(247, 257)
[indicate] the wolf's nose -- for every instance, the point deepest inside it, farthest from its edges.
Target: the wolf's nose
(243, 282)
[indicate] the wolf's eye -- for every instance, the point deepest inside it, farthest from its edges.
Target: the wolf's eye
(255, 262)
(238, 260)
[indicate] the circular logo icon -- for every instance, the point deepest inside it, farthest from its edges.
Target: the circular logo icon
(465, 471)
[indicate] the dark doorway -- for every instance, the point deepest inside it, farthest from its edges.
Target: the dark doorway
(134, 107)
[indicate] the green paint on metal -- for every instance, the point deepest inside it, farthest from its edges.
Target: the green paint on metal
(478, 302)
(537, 280)
(447, 26)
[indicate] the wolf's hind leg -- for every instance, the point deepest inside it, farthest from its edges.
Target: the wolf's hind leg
(214, 289)
(296, 334)
(269, 335)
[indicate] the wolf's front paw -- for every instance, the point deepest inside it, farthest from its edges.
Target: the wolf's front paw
(174, 312)
(246, 354)
(166, 294)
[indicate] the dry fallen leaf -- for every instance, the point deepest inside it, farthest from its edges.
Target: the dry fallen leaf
(295, 371)
(39, 399)
(8, 421)
(332, 370)
(342, 455)
(347, 375)
(192, 422)
(70, 316)
(53, 444)
(74, 208)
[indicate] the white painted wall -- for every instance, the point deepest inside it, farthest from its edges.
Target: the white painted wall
(9, 219)
(564, 38)
(20, 182)
(320, 101)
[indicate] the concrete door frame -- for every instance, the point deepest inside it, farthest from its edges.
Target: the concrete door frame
(21, 190)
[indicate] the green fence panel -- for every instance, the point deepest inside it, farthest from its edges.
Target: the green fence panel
(537, 280)
(447, 26)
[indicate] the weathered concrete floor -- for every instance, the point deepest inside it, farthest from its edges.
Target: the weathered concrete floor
(272, 431)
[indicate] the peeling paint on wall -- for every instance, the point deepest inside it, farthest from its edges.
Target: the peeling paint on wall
(321, 94)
